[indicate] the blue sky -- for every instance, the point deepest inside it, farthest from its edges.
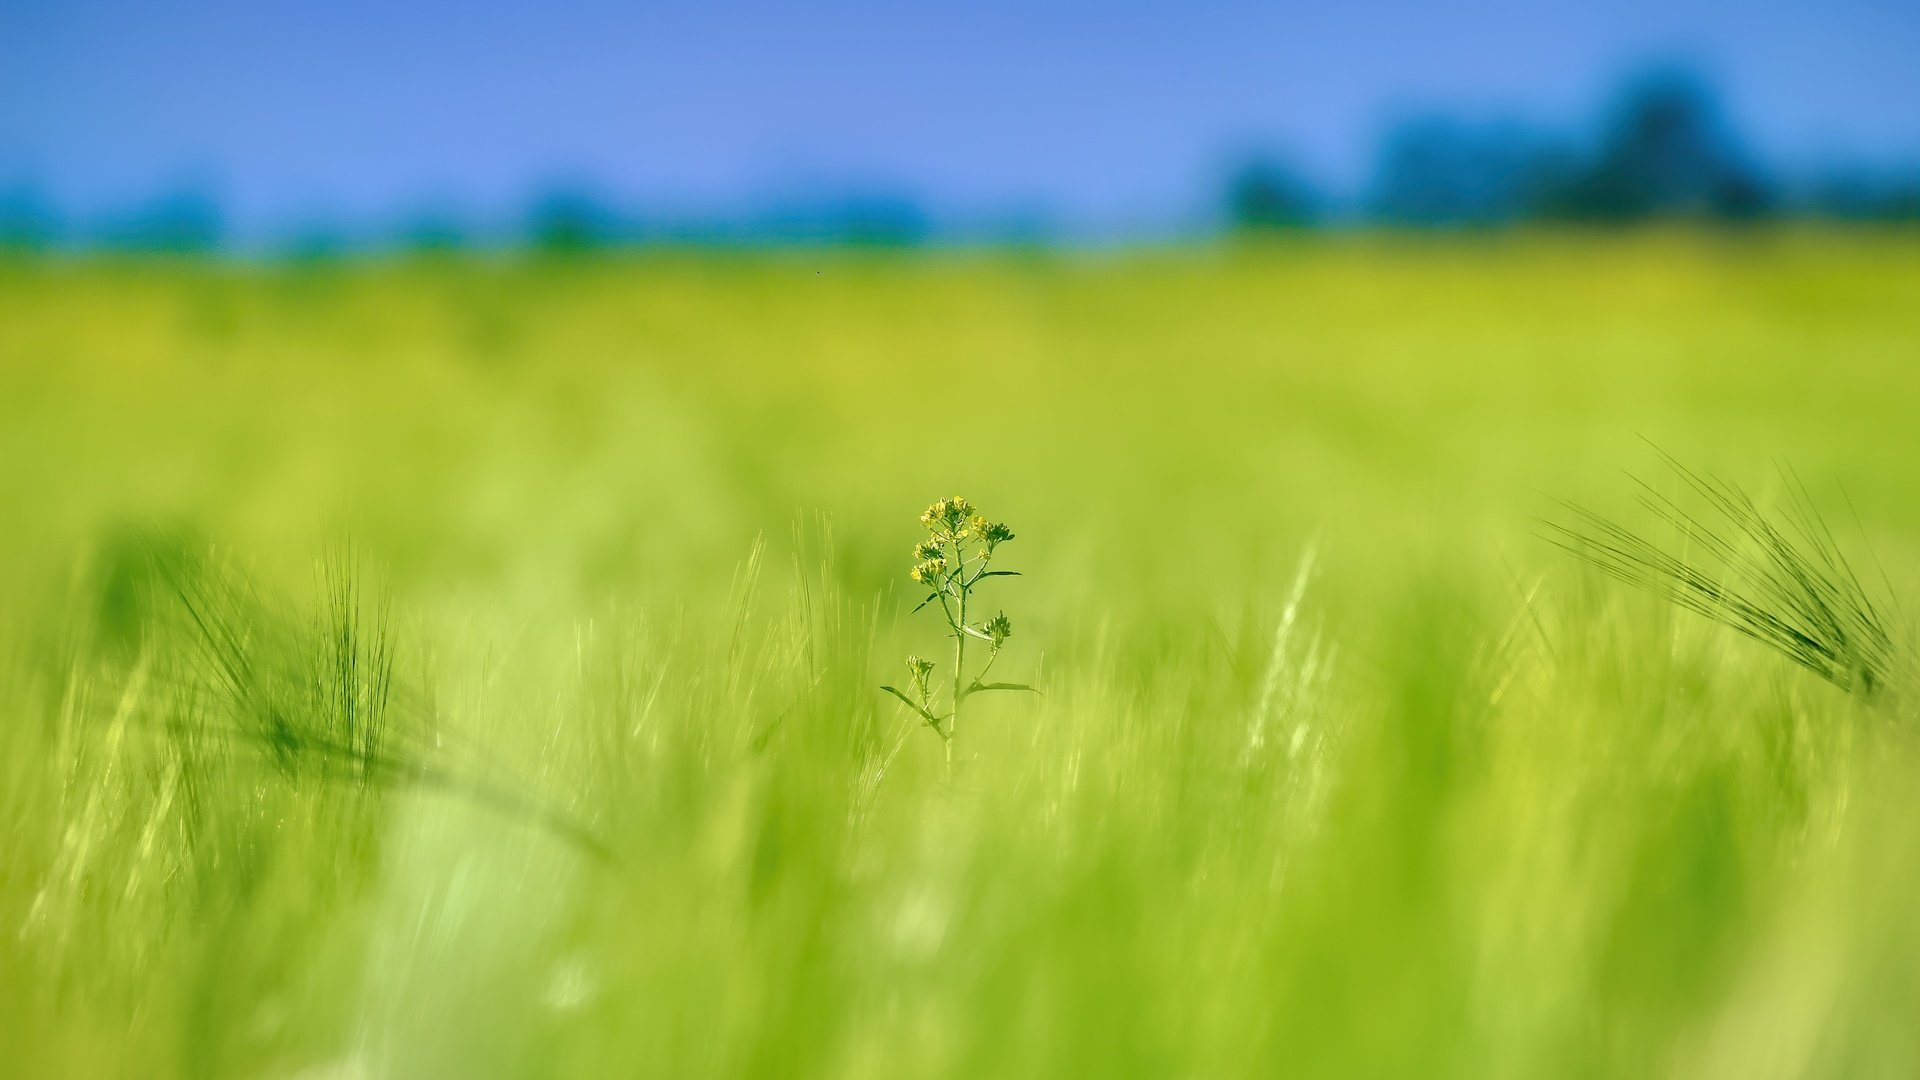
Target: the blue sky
(1092, 112)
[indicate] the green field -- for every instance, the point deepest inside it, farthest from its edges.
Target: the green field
(465, 667)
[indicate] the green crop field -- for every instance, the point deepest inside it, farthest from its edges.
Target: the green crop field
(470, 667)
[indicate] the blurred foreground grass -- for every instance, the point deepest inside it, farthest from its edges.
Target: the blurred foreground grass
(629, 540)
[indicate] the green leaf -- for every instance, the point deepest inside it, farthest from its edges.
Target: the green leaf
(979, 686)
(909, 703)
(999, 573)
(931, 597)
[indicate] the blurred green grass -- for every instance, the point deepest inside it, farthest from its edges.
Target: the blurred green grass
(642, 525)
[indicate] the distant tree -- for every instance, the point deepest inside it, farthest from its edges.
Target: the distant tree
(1664, 151)
(881, 221)
(857, 219)
(1866, 195)
(1667, 152)
(185, 221)
(573, 219)
(27, 221)
(316, 241)
(1437, 172)
(1899, 200)
(433, 231)
(1266, 194)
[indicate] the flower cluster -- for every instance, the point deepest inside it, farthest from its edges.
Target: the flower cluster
(999, 628)
(918, 671)
(953, 521)
(948, 517)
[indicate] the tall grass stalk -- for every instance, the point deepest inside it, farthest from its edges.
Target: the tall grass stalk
(1776, 576)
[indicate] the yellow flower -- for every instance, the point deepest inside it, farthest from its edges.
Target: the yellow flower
(948, 516)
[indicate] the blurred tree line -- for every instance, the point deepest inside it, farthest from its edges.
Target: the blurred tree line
(1664, 151)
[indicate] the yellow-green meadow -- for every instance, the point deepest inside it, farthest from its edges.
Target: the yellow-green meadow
(472, 666)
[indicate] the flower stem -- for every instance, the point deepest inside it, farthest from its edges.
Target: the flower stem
(959, 666)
